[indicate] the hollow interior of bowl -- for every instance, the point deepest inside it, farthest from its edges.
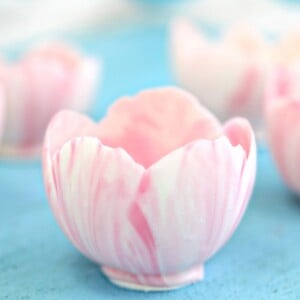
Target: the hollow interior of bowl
(156, 123)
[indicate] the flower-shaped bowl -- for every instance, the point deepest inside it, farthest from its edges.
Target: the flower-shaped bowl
(153, 190)
(229, 75)
(47, 79)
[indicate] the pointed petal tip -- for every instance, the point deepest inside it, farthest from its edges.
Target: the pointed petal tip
(239, 132)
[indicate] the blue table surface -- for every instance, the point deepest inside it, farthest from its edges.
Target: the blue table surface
(261, 261)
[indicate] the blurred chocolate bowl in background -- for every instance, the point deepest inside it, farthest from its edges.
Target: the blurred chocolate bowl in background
(47, 79)
(228, 77)
(229, 74)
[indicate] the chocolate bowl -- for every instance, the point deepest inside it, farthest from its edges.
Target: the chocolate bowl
(229, 75)
(47, 79)
(153, 190)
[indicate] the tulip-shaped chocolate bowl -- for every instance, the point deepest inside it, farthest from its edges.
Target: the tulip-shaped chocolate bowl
(230, 75)
(47, 79)
(153, 190)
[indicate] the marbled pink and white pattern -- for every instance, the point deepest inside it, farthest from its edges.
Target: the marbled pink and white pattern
(229, 75)
(47, 79)
(153, 190)
(283, 123)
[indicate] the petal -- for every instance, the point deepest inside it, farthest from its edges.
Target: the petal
(65, 126)
(167, 118)
(79, 73)
(282, 116)
(283, 84)
(284, 137)
(55, 52)
(91, 189)
(184, 30)
(239, 132)
(194, 211)
(288, 49)
(13, 81)
(246, 38)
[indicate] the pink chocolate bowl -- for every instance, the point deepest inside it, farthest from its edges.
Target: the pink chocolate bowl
(229, 74)
(153, 190)
(47, 79)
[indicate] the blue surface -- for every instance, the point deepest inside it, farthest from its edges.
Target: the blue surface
(261, 261)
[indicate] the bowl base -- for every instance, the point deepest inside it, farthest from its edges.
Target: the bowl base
(150, 283)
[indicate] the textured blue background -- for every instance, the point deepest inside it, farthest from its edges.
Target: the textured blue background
(261, 261)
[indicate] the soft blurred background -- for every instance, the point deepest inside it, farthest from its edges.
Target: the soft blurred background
(137, 29)
(24, 20)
